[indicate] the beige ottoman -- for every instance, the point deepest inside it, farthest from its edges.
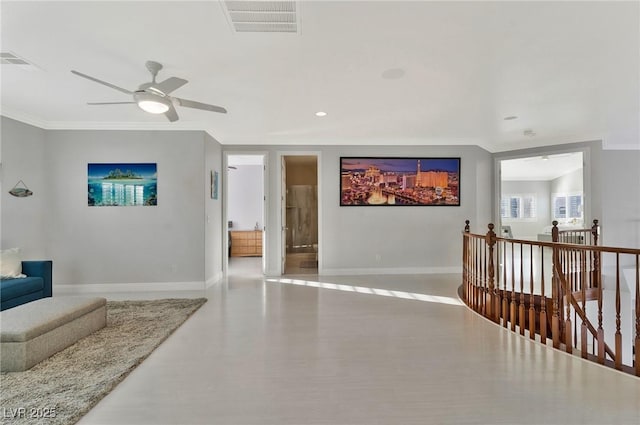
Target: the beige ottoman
(32, 332)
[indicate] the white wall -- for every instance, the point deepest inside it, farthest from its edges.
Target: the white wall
(164, 243)
(22, 221)
(174, 243)
(570, 182)
(245, 185)
(384, 239)
(620, 219)
(142, 247)
(213, 212)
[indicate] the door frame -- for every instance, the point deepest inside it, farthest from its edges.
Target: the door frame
(225, 203)
(280, 242)
(587, 195)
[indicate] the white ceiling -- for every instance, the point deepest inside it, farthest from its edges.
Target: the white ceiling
(386, 72)
(540, 168)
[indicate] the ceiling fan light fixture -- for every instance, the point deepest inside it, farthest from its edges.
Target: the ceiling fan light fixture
(152, 97)
(153, 107)
(151, 103)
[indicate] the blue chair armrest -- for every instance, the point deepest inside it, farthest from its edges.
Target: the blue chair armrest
(43, 269)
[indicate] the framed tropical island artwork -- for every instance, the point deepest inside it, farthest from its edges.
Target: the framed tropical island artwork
(122, 184)
(368, 181)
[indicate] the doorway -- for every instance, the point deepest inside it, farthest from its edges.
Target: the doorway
(299, 214)
(536, 190)
(245, 214)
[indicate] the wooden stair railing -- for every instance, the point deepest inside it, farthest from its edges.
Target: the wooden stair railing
(520, 285)
(586, 324)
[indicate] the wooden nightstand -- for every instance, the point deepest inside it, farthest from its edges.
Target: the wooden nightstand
(246, 243)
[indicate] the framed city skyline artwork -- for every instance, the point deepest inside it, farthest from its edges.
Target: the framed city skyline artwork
(122, 184)
(380, 181)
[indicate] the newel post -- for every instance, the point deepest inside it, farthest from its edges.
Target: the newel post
(555, 232)
(491, 242)
(594, 231)
(466, 262)
(595, 277)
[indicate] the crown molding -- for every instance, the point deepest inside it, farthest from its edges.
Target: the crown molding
(99, 125)
(204, 127)
(23, 117)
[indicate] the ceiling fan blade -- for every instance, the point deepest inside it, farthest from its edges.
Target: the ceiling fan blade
(171, 114)
(170, 84)
(104, 83)
(198, 105)
(111, 103)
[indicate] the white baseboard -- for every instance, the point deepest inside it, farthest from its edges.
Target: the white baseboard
(128, 287)
(391, 270)
(213, 280)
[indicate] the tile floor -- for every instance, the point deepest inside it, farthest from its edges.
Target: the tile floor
(358, 350)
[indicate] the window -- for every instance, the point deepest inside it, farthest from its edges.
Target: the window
(567, 207)
(518, 207)
(560, 207)
(575, 206)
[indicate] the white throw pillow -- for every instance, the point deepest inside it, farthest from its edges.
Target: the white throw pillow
(11, 263)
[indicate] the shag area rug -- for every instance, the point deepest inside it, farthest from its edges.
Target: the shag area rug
(61, 389)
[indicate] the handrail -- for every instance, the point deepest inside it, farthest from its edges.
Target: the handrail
(583, 316)
(545, 287)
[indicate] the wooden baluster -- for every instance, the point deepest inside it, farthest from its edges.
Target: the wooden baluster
(600, 332)
(596, 256)
(505, 304)
(471, 272)
(555, 292)
(618, 359)
(512, 313)
(484, 278)
(465, 263)
(532, 310)
(470, 269)
(637, 342)
(478, 276)
(543, 301)
(497, 297)
(474, 248)
(569, 284)
(583, 291)
(491, 241)
(577, 258)
(521, 301)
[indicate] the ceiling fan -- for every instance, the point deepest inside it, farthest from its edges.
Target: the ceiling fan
(153, 97)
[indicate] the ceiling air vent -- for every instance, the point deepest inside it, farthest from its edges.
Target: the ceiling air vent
(263, 16)
(9, 58)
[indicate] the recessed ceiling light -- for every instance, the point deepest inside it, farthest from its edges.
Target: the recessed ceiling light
(393, 74)
(510, 117)
(321, 114)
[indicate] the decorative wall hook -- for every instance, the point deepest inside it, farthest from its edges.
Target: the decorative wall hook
(20, 190)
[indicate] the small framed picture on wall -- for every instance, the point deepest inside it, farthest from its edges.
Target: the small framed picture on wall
(214, 184)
